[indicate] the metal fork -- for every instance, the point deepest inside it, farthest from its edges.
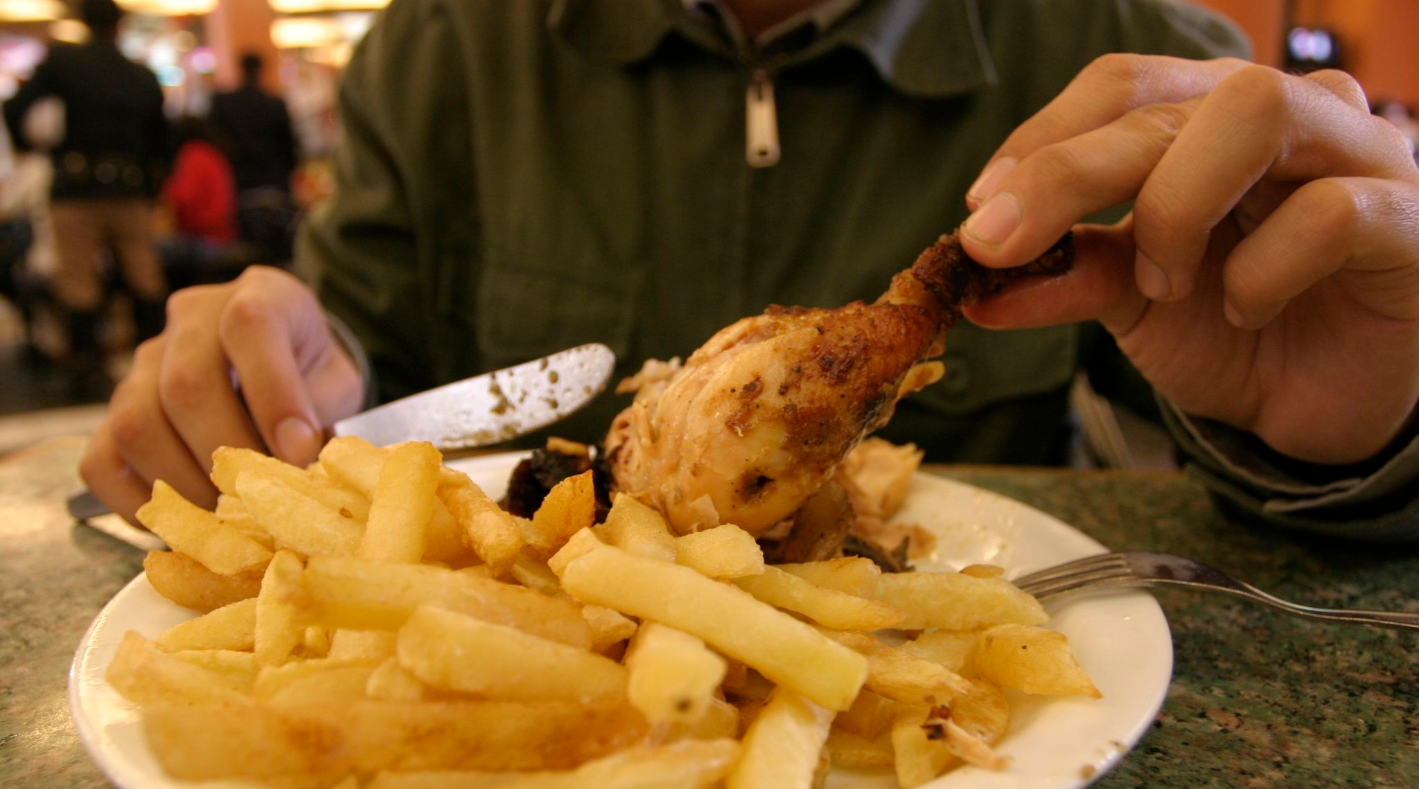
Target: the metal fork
(1151, 569)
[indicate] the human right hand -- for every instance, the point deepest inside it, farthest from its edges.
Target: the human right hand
(251, 363)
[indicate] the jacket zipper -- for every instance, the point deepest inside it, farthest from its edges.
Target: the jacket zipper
(761, 118)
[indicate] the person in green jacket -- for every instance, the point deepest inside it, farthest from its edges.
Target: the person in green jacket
(520, 176)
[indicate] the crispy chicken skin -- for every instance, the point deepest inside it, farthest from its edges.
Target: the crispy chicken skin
(756, 420)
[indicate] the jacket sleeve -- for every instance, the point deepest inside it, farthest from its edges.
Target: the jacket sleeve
(377, 249)
(39, 86)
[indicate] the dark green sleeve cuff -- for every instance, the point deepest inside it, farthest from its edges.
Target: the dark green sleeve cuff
(1377, 500)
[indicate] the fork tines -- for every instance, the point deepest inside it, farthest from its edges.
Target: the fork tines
(1089, 571)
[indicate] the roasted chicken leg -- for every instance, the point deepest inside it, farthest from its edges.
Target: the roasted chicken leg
(755, 421)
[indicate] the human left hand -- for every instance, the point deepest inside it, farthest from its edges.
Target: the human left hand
(1268, 275)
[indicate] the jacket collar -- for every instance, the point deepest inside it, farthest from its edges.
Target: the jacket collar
(926, 48)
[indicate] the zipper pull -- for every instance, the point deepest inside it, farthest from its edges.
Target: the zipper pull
(761, 116)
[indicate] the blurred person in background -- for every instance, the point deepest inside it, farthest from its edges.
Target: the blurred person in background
(199, 199)
(26, 239)
(107, 169)
(256, 130)
(519, 176)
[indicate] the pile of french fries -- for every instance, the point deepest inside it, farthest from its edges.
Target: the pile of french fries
(376, 620)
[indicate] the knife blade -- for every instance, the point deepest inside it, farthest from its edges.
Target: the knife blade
(492, 407)
(474, 412)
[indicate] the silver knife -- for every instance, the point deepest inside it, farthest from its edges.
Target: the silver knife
(492, 407)
(474, 412)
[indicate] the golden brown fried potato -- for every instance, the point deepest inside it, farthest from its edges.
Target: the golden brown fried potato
(782, 648)
(198, 533)
(402, 504)
(185, 581)
(491, 533)
(368, 595)
(950, 648)
(459, 653)
(901, 676)
(954, 601)
(869, 717)
(279, 624)
(725, 551)
(856, 753)
(1032, 660)
(853, 575)
(632, 526)
(569, 507)
(782, 745)
(825, 606)
(145, 675)
(231, 627)
(229, 463)
(209, 741)
(297, 521)
(673, 675)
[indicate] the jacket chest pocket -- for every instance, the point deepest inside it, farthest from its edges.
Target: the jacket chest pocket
(988, 367)
(525, 312)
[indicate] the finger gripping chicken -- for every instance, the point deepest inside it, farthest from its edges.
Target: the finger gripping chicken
(756, 420)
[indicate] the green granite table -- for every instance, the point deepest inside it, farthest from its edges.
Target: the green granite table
(1257, 699)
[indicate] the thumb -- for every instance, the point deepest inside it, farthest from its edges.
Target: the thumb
(1099, 286)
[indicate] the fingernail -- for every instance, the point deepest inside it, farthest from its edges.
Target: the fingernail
(1233, 317)
(1151, 279)
(995, 220)
(989, 179)
(296, 441)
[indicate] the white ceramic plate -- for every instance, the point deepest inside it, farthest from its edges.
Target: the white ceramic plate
(1122, 640)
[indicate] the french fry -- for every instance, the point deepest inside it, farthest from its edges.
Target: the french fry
(456, 652)
(491, 533)
(239, 668)
(356, 464)
(782, 648)
(580, 543)
(950, 648)
(368, 645)
(187, 528)
(854, 575)
(279, 627)
(205, 742)
(782, 746)
(721, 719)
(635, 527)
(1032, 660)
(869, 717)
(672, 675)
(402, 504)
(725, 551)
(856, 753)
(187, 582)
(231, 511)
(145, 675)
(953, 601)
(368, 595)
(918, 756)
(569, 507)
(534, 573)
(901, 676)
(315, 641)
(231, 627)
(608, 627)
(392, 682)
(687, 764)
(229, 463)
(296, 520)
(272, 680)
(340, 684)
(827, 607)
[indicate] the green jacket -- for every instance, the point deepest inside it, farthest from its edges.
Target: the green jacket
(521, 176)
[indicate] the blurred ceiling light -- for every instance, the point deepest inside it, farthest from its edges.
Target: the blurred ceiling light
(169, 7)
(336, 55)
(70, 31)
(31, 10)
(314, 6)
(305, 33)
